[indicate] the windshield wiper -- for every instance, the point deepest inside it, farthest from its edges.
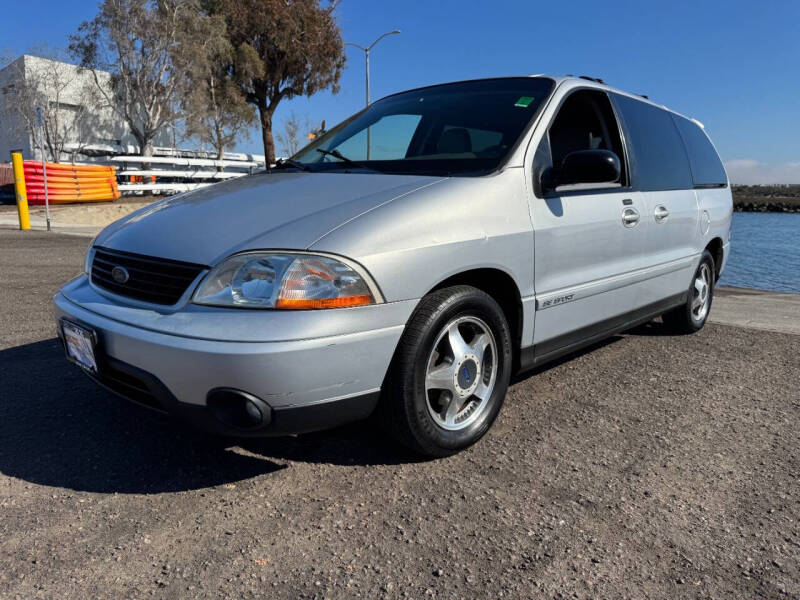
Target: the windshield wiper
(336, 154)
(288, 162)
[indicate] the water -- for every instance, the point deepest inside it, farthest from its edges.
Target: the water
(765, 252)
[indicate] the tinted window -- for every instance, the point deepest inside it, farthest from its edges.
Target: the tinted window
(706, 166)
(585, 121)
(463, 128)
(656, 146)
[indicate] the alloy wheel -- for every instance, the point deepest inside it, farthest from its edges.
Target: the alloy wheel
(701, 293)
(461, 373)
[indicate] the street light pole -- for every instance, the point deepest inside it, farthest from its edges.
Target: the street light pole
(366, 68)
(366, 53)
(44, 165)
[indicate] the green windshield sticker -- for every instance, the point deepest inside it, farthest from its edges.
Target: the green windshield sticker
(524, 101)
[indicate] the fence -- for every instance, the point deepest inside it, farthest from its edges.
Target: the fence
(167, 174)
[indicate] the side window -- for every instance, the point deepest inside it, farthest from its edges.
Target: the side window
(659, 158)
(585, 121)
(707, 169)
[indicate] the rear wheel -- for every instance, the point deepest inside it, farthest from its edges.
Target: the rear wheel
(691, 316)
(450, 373)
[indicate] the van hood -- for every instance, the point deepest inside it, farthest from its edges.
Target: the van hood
(266, 210)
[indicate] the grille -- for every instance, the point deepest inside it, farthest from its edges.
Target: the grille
(157, 280)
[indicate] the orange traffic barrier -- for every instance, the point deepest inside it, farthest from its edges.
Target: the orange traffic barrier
(70, 183)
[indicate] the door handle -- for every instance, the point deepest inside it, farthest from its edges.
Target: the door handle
(630, 217)
(661, 213)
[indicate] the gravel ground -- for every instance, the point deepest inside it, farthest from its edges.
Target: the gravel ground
(649, 467)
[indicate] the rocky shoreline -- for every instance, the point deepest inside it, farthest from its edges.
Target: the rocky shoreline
(766, 198)
(761, 206)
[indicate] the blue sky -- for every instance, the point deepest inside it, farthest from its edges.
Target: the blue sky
(733, 65)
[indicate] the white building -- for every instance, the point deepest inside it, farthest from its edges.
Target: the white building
(77, 120)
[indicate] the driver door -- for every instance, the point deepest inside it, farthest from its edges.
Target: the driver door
(589, 239)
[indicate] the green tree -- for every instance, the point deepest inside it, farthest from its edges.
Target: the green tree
(283, 49)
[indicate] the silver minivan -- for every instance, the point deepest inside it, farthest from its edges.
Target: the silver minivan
(408, 262)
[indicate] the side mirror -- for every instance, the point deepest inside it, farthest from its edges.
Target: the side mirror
(584, 166)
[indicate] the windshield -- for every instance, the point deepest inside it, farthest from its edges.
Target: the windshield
(463, 128)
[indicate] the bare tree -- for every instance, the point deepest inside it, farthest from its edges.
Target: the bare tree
(148, 46)
(217, 114)
(295, 134)
(61, 95)
(284, 48)
(215, 111)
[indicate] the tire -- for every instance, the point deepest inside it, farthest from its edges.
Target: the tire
(691, 316)
(440, 421)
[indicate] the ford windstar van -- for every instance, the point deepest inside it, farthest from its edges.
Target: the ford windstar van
(408, 262)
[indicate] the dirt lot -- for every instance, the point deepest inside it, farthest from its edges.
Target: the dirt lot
(651, 467)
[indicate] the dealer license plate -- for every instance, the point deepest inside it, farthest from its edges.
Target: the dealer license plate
(79, 344)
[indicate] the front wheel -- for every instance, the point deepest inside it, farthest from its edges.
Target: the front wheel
(450, 373)
(691, 316)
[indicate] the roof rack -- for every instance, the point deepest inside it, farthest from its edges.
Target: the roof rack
(595, 79)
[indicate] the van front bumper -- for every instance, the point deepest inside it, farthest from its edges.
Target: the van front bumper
(322, 369)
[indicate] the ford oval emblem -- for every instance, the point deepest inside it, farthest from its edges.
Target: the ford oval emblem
(120, 274)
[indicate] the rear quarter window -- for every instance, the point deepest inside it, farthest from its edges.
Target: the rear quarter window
(707, 169)
(659, 157)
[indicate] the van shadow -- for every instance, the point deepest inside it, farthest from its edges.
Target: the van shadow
(654, 328)
(59, 428)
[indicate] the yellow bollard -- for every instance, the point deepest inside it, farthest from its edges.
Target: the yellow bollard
(19, 188)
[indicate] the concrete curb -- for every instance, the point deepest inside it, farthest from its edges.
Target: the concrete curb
(756, 309)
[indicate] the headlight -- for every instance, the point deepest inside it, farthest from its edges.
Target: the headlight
(287, 281)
